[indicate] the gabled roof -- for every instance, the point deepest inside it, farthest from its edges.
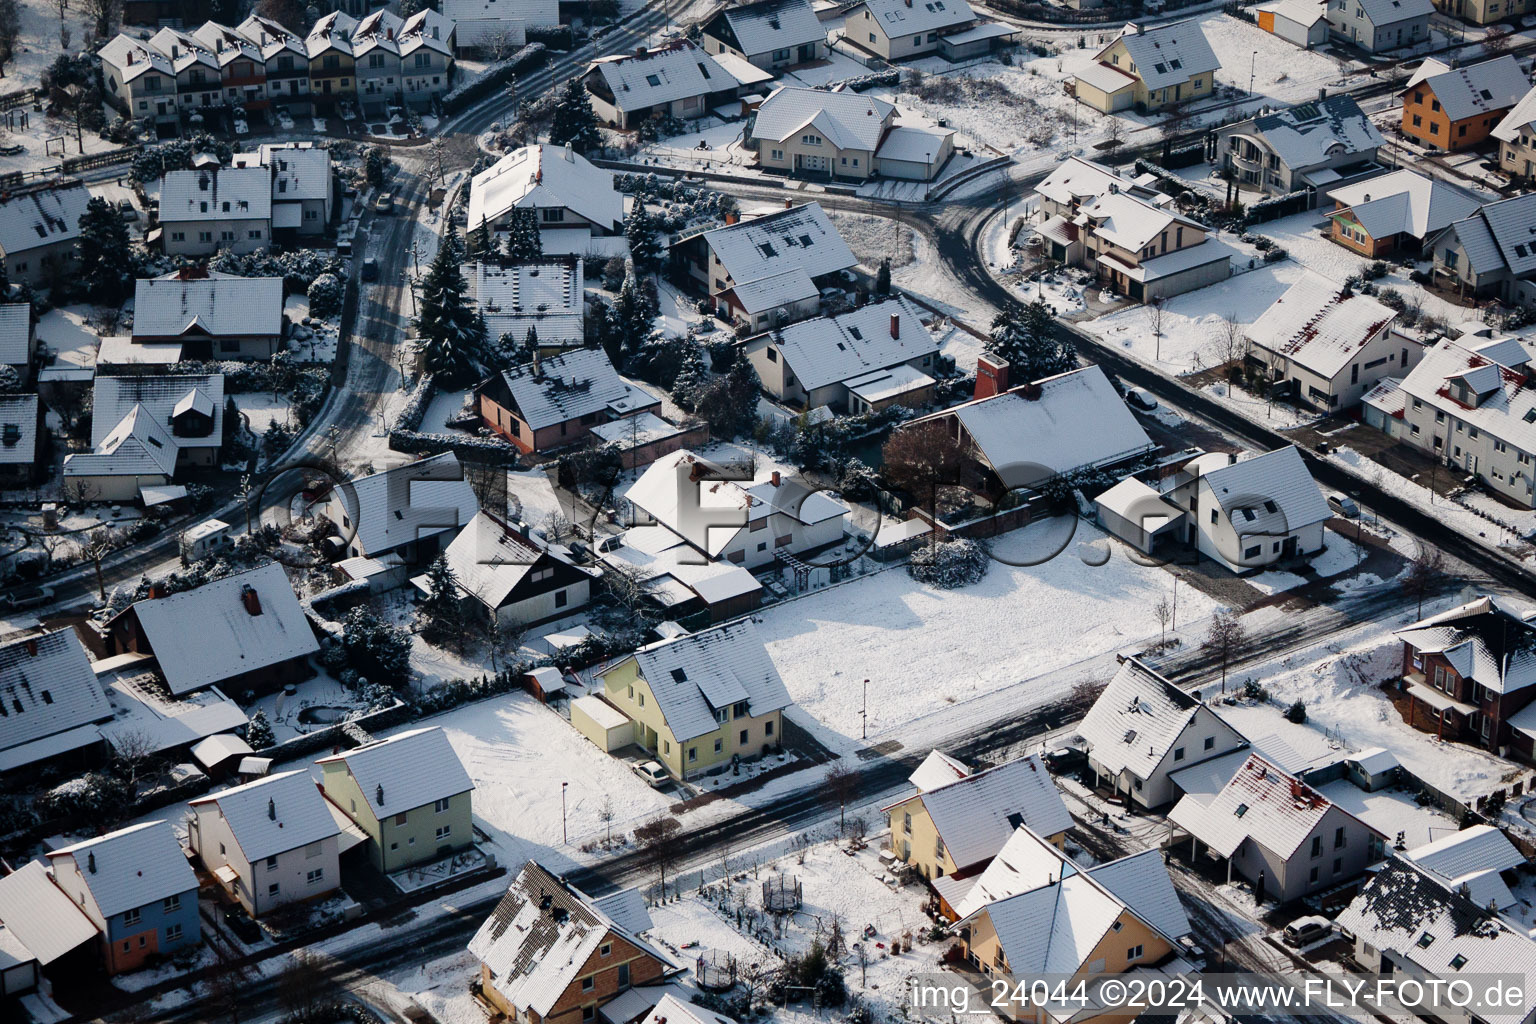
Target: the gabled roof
(1261, 802)
(15, 333)
(761, 247)
(132, 867)
(1319, 130)
(426, 29)
(576, 383)
(848, 120)
(1501, 237)
(519, 13)
(543, 176)
(377, 31)
(938, 769)
(489, 558)
(418, 499)
(1077, 179)
(184, 51)
(299, 171)
(210, 633)
(46, 688)
(1130, 221)
(976, 815)
(1388, 12)
(767, 25)
(1507, 410)
(36, 911)
(132, 57)
(332, 32)
(1320, 325)
(273, 815)
(1491, 640)
(828, 349)
(136, 446)
(1138, 719)
(1056, 425)
(42, 216)
(1270, 493)
(271, 37)
(1469, 852)
(406, 771)
(1169, 54)
(1520, 117)
(225, 43)
(679, 70)
(696, 675)
(909, 17)
(546, 295)
(18, 430)
(115, 397)
(216, 193)
(1492, 86)
(540, 936)
(1404, 202)
(230, 306)
(673, 1009)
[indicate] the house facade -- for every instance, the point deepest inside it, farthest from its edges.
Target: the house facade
(1457, 108)
(567, 193)
(770, 34)
(1376, 26)
(1316, 145)
(1516, 133)
(1253, 513)
(507, 574)
(1396, 211)
(208, 209)
(1490, 255)
(38, 228)
(1150, 69)
(555, 402)
(900, 29)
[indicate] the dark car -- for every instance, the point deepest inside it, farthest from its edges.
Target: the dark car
(239, 922)
(370, 269)
(1066, 760)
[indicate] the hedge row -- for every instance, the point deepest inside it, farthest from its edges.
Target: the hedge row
(493, 77)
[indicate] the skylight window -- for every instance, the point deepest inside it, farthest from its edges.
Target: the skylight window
(1269, 507)
(857, 334)
(1458, 962)
(653, 80)
(1426, 940)
(1161, 69)
(1248, 514)
(841, 347)
(1130, 735)
(805, 240)
(679, 676)
(767, 249)
(1520, 250)
(1175, 64)
(1485, 94)
(1530, 415)
(1242, 809)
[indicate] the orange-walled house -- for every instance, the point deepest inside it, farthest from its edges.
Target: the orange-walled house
(1457, 108)
(1395, 211)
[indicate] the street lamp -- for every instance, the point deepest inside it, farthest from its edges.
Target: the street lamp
(564, 836)
(864, 714)
(1253, 67)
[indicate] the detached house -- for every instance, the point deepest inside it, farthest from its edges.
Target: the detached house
(870, 358)
(1143, 728)
(407, 513)
(16, 348)
(1516, 133)
(212, 208)
(898, 29)
(700, 701)
(208, 315)
(136, 887)
(1149, 69)
(546, 296)
(268, 843)
(952, 827)
(54, 705)
(1318, 145)
(566, 191)
(504, 572)
(1456, 108)
(38, 228)
(1400, 210)
(675, 80)
(188, 408)
(301, 184)
(555, 402)
(1331, 343)
(23, 440)
(1380, 25)
(770, 34)
(844, 135)
(479, 23)
(55, 937)
(1470, 674)
(1252, 513)
(1484, 12)
(136, 458)
(552, 954)
(409, 793)
(245, 631)
(1268, 822)
(1491, 254)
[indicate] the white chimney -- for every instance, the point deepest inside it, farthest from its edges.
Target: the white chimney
(569, 156)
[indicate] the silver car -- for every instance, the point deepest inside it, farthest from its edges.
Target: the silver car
(654, 774)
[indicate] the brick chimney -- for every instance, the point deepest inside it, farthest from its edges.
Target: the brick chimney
(789, 204)
(896, 326)
(156, 591)
(991, 376)
(32, 647)
(776, 478)
(250, 599)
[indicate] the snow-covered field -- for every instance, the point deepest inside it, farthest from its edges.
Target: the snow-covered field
(873, 239)
(922, 649)
(261, 409)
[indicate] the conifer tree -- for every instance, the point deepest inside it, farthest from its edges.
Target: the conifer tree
(451, 331)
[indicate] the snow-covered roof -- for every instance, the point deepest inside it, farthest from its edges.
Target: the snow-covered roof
(214, 750)
(1520, 117)
(1138, 719)
(1320, 325)
(1505, 402)
(938, 769)
(299, 170)
(273, 815)
(18, 430)
(1270, 493)
(1425, 922)
(1501, 236)
(1404, 202)
(489, 558)
(1060, 424)
(37, 912)
(1491, 640)
(767, 25)
(1318, 131)
(1388, 12)
(1076, 179)
(679, 70)
(332, 32)
(1212, 250)
(828, 349)
(913, 143)
(1488, 87)
(1132, 222)
(185, 51)
(132, 867)
(41, 216)
(673, 1009)
(158, 396)
(15, 333)
(519, 13)
(694, 676)
(788, 288)
(426, 29)
(672, 571)
(216, 193)
(241, 623)
(169, 307)
(540, 177)
(406, 771)
(540, 937)
(975, 815)
(1137, 502)
(636, 431)
(760, 247)
(545, 294)
(402, 505)
(272, 38)
(909, 17)
(1105, 78)
(132, 57)
(1469, 852)
(568, 386)
(1303, 12)
(1260, 801)
(47, 688)
(136, 446)
(1169, 54)
(848, 120)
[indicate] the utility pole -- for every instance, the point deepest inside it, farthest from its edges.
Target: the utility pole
(1253, 67)
(864, 714)
(564, 837)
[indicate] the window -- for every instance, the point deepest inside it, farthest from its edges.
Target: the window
(314, 877)
(605, 949)
(133, 916)
(1253, 552)
(271, 863)
(589, 981)
(560, 599)
(1338, 838)
(938, 847)
(1214, 517)
(1312, 875)
(743, 737)
(719, 745)
(623, 975)
(1134, 953)
(171, 903)
(906, 822)
(274, 889)
(768, 728)
(1458, 962)
(1426, 940)
(693, 754)
(173, 933)
(1210, 741)
(588, 1013)
(439, 806)
(314, 850)
(1317, 846)
(1338, 864)
(444, 832)
(552, 214)
(1178, 753)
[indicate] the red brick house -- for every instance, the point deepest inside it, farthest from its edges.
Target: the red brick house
(550, 953)
(554, 402)
(1470, 673)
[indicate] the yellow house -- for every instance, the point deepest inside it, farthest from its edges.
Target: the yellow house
(1036, 913)
(956, 821)
(409, 794)
(1150, 69)
(701, 701)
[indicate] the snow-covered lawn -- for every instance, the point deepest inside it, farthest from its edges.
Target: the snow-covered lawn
(69, 335)
(261, 409)
(445, 405)
(873, 239)
(922, 649)
(836, 68)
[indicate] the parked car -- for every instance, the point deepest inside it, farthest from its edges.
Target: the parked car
(370, 269)
(284, 119)
(1065, 760)
(239, 922)
(1141, 398)
(241, 128)
(385, 203)
(654, 774)
(27, 597)
(1306, 930)
(1344, 505)
(129, 212)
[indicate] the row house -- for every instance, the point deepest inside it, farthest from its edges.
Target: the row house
(199, 80)
(139, 79)
(332, 66)
(242, 69)
(286, 61)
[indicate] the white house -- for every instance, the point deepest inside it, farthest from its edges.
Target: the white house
(38, 228)
(677, 79)
(208, 315)
(301, 184)
(1320, 144)
(270, 842)
(1491, 254)
(1252, 513)
(732, 517)
(1379, 25)
(771, 34)
(212, 208)
(410, 511)
(545, 296)
(498, 23)
(505, 571)
(845, 135)
(1332, 343)
(54, 703)
(777, 260)
(568, 193)
(1143, 728)
(897, 29)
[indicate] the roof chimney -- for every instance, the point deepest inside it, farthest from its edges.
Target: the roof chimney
(378, 794)
(640, 50)
(271, 809)
(789, 204)
(776, 478)
(1322, 94)
(156, 591)
(991, 376)
(32, 646)
(896, 326)
(538, 369)
(569, 156)
(90, 861)
(250, 599)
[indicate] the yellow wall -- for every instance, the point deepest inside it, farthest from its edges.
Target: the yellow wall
(918, 846)
(1117, 56)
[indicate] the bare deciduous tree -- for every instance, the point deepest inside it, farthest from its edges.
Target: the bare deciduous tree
(842, 785)
(605, 814)
(1231, 341)
(922, 459)
(658, 841)
(1225, 638)
(1425, 574)
(1163, 609)
(101, 542)
(304, 988)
